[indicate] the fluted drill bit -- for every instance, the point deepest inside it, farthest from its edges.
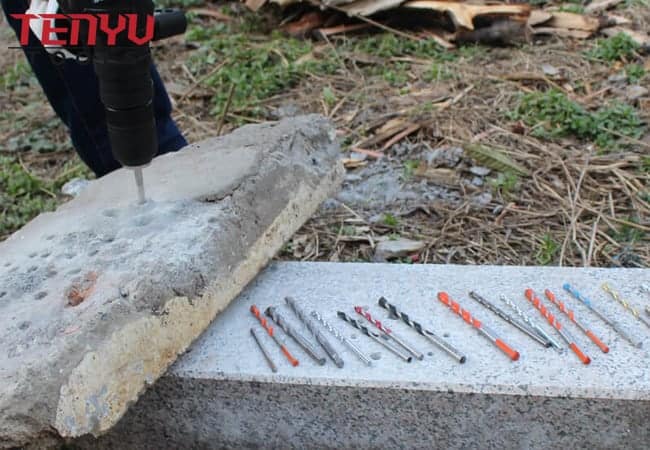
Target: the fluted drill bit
(430, 335)
(341, 338)
(388, 332)
(313, 329)
(374, 336)
(625, 304)
(304, 343)
(530, 322)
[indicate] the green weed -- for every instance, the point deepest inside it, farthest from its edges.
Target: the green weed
(547, 250)
(17, 75)
(634, 72)
(390, 220)
(410, 167)
(614, 48)
(553, 114)
(627, 233)
(506, 183)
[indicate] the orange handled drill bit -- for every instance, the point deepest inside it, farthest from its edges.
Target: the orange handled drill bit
(569, 339)
(271, 331)
(484, 330)
(571, 315)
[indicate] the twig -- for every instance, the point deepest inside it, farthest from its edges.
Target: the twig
(222, 120)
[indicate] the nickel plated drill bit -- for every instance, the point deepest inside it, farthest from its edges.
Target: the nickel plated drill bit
(483, 329)
(571, 315)
(388, 332)
(374, 336)
(341, 338)
(530, 322)
(264, 351)
(313, 329)
(625, 304)
(431, 336)
(273, 313)
(568, 337)
(269, 329)
(139, 183)
(511, 320)
(589, 304)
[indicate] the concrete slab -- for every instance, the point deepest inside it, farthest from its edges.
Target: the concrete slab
(98, 298)
(222, 394)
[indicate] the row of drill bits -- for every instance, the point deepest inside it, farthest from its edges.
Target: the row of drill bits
(379, 332)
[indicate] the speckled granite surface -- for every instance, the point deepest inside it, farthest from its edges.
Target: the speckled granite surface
(222, 394)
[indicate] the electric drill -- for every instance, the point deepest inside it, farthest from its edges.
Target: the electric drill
(123, 72)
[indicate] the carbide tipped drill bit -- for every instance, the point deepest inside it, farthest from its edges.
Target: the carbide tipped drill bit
(431, 336)
(482, 328)
(571, 315)
(304, 343)
(374, 336)
(388, 332)
(342, 339)
(625, 304)
(269, 329)
(589, 304)
(313, 329)
(264, 351)
(508, 318)
(568, 337)
(531, 323)
(139, 182)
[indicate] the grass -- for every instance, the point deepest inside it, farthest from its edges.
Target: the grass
(612, 49)
(505, 183)
(547, 250)
(552, 114)
(635, 72)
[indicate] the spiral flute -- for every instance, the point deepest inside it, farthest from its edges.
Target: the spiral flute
(383, 328)
(313, 329)
(524, 328)
(304, 343)
(374, 336)
(571, 315)
(589, 304)
(530, 322)
(625, 304)
(341, 338)
(431, 336)
(548, 315)
(483, 329)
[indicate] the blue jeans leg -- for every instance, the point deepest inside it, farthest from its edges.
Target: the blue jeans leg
(72, 90)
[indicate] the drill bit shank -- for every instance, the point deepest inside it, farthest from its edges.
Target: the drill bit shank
(139, 183)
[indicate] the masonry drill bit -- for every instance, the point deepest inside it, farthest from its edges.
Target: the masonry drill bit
(568, 337)
(483, 329)
(313, 329)
(388, 332)
(431, 336)
(269, 329)
(508, 318)
(139, 182)
(374, 336)
(530, 322)
(276, 317)
(342, 339)
(571, 315)
(625, 304)
(589, 304)
(264, 351)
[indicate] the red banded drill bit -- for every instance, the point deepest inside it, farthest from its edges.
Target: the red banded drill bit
(271, 331)
(381, 327)
(483, 329)
(571, 315)
(548, 315)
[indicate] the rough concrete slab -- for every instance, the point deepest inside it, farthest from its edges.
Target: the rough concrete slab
(222, 393)
(98, 298)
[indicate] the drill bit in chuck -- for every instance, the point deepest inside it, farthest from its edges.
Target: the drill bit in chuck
(139, 182)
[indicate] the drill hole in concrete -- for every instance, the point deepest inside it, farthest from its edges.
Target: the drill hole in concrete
(74, 272)
(51, 273)
(213, 220)
(33, 269)
(93, 252)
(33, 255)
(353, 336)
(108, 239)
(430, 353)
(49, 237)
(3, 293)
(24, 325)
(45, 254)
(40, 295)
(142, 221)
(110, 213)
(7, 264)
(376, 356)
(69, 255)
(446, 335)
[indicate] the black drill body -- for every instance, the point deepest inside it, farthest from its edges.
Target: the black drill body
(123, 71)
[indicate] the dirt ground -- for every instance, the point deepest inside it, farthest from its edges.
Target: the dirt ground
(536, 153)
